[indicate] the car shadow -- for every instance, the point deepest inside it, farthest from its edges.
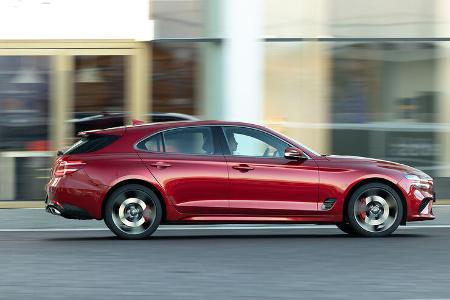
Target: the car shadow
(339, 236)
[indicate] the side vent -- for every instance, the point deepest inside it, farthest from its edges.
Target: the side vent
(328, 203)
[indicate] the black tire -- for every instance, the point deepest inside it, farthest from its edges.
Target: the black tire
(346, 228)
(376, 197)
(125, 206)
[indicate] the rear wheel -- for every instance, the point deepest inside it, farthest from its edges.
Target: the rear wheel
(374, 210)
(133, 211)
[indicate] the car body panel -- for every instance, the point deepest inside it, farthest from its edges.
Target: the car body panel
(185, 179)
(273, 186)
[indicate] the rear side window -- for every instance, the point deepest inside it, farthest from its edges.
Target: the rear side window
(91, 143)
(154, 144)
(190, 140)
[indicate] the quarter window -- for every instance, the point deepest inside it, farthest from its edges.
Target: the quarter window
(153, 144)
(251, 142)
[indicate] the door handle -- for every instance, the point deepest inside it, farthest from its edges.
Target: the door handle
(243, 168)
(160, 165)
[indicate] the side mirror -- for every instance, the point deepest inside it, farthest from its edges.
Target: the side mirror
(294, 153)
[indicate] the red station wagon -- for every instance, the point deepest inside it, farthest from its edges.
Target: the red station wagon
(138, 177)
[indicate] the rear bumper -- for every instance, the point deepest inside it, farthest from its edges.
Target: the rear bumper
(66, 210)
(76, 196)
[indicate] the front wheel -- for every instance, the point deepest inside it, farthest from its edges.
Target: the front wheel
(374, 210)
(133, 211)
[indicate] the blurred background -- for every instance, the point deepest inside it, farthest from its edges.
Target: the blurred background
(341, 76)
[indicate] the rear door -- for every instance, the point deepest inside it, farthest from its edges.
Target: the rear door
(188, 164)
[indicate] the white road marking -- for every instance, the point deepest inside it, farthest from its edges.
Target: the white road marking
(51, 229)
(221, 227)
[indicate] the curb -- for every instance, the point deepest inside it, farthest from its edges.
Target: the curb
(22, 204)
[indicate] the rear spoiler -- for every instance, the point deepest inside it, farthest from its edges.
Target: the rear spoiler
(112, 131)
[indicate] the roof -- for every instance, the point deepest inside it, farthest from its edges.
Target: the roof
(161, 125)
(174, 124)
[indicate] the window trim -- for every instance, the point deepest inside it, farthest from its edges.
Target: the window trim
(217, 149)
(219, 141)
(228, 154)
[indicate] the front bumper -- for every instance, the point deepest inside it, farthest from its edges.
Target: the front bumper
(419, 201)
(424, 210)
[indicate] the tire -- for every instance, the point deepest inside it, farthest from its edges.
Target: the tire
(374, 210)
(346, 227)
(133, 211)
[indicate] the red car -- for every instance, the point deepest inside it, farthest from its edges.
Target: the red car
(137, 177)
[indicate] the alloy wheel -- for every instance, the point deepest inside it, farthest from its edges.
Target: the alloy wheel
(133, 211)
(376, 210)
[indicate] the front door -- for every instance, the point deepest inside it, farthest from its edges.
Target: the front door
(262, 181)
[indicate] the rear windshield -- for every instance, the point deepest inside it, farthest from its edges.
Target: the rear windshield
(91, 143)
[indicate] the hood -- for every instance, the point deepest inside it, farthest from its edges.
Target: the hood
(380, 163)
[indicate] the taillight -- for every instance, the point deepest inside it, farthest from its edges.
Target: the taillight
(67, 167)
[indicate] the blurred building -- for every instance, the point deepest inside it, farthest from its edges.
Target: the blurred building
(341, 76)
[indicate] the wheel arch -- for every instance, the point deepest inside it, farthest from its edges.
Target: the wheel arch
(376, 180)
(143, 183)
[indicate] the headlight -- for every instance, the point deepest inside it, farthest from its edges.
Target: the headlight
(418, 181)
(412, 177)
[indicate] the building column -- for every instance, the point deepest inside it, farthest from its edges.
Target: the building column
(61, 100)
(443, 87)
(232, 69)
(138, 83)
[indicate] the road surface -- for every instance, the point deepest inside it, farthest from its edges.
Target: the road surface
(47, 257)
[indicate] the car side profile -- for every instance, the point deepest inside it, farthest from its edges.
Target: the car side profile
(138, 177)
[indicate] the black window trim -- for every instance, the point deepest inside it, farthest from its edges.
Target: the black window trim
(217, 146)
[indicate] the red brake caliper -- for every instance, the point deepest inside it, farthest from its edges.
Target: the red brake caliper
(146, 213)
(362, 208)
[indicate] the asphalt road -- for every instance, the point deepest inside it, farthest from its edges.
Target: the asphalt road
(46, 257)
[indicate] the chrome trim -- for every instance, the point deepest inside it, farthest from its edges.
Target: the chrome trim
(53, 210)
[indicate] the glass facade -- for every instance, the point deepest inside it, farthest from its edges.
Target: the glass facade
(24, 94)
(99, 83)
(384, 95)
(175, 77)
(47, 97)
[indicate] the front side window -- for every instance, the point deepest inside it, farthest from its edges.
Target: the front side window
(191, 140)
(244, 141)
